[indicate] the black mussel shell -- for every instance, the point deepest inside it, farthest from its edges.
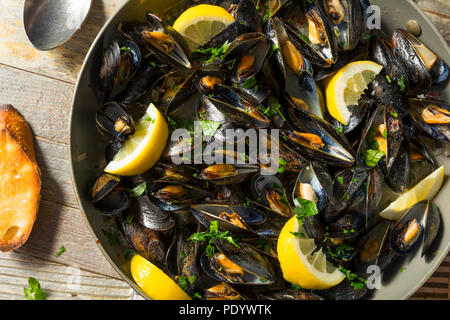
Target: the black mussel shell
(419, 224)
(374, 248)
(114, 120)
(108, 197)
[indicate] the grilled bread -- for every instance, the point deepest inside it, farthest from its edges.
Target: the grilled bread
(20, 180)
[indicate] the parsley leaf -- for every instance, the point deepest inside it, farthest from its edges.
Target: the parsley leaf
(34, 291)
(210, 54)
(401, 84)
(372, 157)
(138, 190)
(61, 251)
(305, 209)
(212, 235)
(209, 127)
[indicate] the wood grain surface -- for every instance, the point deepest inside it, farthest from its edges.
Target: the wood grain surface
(40, 85)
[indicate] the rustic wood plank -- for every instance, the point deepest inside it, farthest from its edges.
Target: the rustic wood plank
(59, 281)
(62, 63)
(58, 225)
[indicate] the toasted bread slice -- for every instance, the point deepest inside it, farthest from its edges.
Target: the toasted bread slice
(20, 180)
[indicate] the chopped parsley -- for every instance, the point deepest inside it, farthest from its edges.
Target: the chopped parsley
(210, 236)
(130, 253)
(183, 282)
(281, 165)
(340, 129)
(356, 282)
(34, 291)
(373, 156)
(250, 83)
(402, 269)
(305, 209)
(210, 54)
(340, 180)
(401, 84)
(61, 251)
(296, 287)
(138, 190)
(209, 127)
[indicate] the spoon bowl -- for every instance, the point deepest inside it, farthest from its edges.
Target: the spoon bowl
(50, 23)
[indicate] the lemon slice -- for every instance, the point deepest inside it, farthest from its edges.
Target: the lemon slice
(345, 88)
(301, 263)
(424, 190)
(154, 282)
(142, 149)
(201, 23)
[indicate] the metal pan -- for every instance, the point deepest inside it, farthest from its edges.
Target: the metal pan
(86, 151)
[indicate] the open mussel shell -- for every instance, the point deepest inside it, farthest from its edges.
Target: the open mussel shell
(108, 197)
(120, 62)
(238, 265)
(419, 224)
(114, 120)
(381, 139)
(318, 139)
(173, 195)
(222, 291)
(269, 191)
(150, 216)
(433, 117)
(222, 174)
(315, 184)
(345, 17)
(423, 66)
(238, 107)
(240, 220)
(166, 43)
(209, 75)
(374, 248)
(311, 31)
(250, 62)
(173, 89)
(242, 44)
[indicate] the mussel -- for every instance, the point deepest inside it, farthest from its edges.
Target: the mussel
(108, 197)
(420, 224)
(120, 63)
(345, 17)
(290, 71)
(115, 120)
(433, 117)
(238, 265)
(423, 66)
(374, 248)
(174, 195)
(269, 192)
(311, 30)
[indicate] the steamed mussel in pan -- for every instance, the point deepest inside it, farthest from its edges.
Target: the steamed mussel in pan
(260, 178)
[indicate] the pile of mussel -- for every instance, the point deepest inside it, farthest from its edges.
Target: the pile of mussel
(274, 57)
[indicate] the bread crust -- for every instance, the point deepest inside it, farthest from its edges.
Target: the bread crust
(20, 180)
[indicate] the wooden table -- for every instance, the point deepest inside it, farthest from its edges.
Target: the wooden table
(40, 85)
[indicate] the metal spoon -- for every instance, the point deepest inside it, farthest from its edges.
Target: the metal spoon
(50, 23)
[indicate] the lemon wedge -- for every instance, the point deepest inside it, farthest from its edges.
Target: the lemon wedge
(142, 149)
(301, 263)
(345, 88)
(424, 190)
(201, 23)
(154, 282)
